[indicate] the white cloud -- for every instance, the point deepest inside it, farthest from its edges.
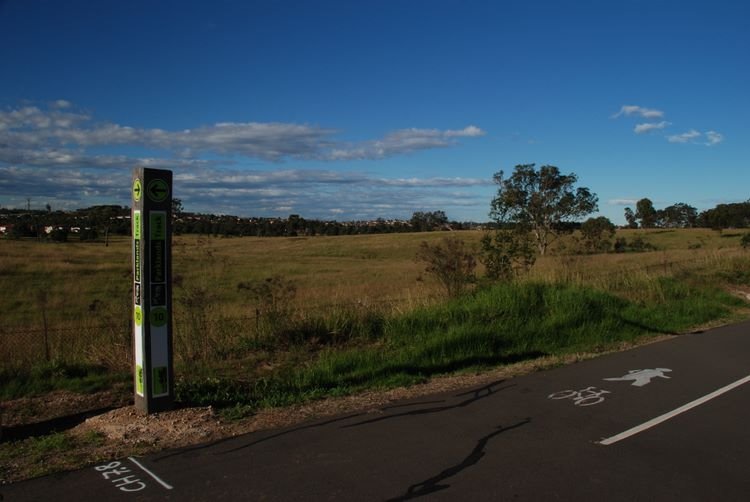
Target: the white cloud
(321, 194)
(438, 182)
(62, 104)
(326, 194)
(640, 111)
(714, 138)
(650, 126)
(56, 154)
(692, 136)
(307, 178)
(469, 131)
(32, 128)
(622, 202)
(30, 118)
(685, 137)
(402, 141)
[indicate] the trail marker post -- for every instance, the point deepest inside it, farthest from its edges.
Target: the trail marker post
(152, 289)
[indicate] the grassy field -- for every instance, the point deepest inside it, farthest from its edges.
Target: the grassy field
(80, 283)
(365, 316)
(362, 303)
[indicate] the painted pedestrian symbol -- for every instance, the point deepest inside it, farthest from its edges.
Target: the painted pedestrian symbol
(641, 377)
(157, 190)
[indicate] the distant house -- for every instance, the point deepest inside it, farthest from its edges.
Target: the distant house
(49, 229)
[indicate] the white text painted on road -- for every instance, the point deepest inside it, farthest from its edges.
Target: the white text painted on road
(124, 478)
(121, 476)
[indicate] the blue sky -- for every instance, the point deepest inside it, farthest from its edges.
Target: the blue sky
(355, 110)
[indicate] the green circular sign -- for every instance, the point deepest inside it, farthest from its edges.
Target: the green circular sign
(137, 190)
(157, 190)
(158, 316)
(138, 315)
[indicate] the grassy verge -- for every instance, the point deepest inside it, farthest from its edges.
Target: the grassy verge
(52, 453)
(16, 382)
(496, 325)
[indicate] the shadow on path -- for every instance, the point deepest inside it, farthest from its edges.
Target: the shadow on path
(290, 431)
(436, 483)
(476, 395)
(58, 424)
(258, 441)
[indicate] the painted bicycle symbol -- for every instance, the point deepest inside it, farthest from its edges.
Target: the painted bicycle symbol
(584, 397)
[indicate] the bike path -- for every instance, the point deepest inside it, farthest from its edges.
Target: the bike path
(504, 441)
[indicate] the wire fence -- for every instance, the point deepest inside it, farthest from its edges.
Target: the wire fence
(196, 334)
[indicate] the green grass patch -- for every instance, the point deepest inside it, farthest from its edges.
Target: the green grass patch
(47, 454)
(499, 325)
(350, 326)
(18, 382)
(737, 272)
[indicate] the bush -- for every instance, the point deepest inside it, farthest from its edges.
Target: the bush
(507, 254)
(88, 234)
(273, 299)
(59, 235)
(451, 263)
(272, 296)
(597, 234)
(745, 241)
(637, 245)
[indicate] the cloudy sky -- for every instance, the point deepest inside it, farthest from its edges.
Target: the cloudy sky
(350, 110)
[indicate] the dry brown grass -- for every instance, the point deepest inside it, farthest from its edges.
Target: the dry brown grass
(83, 280)
(83, 289)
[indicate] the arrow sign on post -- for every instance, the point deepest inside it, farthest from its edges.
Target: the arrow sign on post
(157, 190)
(152, 290)
(137, 190)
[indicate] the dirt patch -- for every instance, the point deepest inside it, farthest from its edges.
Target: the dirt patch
(182, 427)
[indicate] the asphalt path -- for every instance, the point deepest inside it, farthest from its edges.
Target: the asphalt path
(682, 404)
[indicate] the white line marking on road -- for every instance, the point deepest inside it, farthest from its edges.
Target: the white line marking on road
(663, 418)
(160, 481)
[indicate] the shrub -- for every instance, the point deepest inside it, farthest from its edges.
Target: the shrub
(272, 296)
(450, 262)
(507, 254)
(59, 235)
(597, 234)
(88, 234)
(637, 245)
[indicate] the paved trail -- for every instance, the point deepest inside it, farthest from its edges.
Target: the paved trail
(666, 421)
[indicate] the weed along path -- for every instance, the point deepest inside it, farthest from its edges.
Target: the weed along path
(665, 421)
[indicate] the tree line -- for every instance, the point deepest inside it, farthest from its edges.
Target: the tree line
(681, 215)
(295, 225)
(88, 224)
(540, 202)
(99, 222)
